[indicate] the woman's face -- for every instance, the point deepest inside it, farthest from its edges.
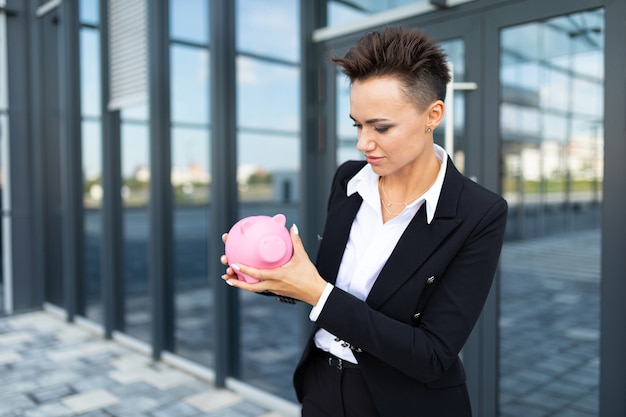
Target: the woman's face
(391, 129)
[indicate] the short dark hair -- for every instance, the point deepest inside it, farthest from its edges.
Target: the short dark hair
(406, 53)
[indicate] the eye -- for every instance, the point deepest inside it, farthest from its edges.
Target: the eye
(381, 129)
(357, 125)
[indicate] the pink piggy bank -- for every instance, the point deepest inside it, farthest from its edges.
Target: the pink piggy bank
(262, 242)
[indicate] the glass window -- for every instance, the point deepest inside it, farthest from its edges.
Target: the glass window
(90, 72)
(346, 132)
(194, 297)
(189, 84)
(268, 174)
(190, 165)
(267, 95)
(135, 222)
(89, 11)
(269, 28)
(341, 12)
(190, 177)
(189, 20)
(92, 203)
(551, 115)
(91, 146)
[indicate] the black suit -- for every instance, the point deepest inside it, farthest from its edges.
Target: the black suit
(410, 361)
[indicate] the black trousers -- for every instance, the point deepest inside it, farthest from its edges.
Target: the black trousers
(333, 390)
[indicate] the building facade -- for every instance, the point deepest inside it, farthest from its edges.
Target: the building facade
(134, 133)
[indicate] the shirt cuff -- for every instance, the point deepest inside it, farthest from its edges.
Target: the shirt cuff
(315, 311)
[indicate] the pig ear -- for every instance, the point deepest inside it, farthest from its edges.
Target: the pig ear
(280, 219)
(245, 225)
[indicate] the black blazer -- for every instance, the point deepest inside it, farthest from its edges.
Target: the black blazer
(408, 352)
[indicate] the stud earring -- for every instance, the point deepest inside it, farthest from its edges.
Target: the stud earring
(429, 130)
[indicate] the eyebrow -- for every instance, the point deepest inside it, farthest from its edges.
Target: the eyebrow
(371, 121)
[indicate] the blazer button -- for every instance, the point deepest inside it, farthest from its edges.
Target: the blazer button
(430, 280)
(416, 316)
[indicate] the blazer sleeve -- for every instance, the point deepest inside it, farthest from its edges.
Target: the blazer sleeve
(424, 352)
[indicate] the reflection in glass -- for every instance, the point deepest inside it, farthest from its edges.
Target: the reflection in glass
(190, 176)
(189, 20)
(90, 72)
(267, 95)
(189, 84)
(551, 119)
(135, 223)
(89, 12)
(341, 12)
(455, 50)
(268, 167)
(269, 28)
(193, 291)
(190, 166)
(268, 175)
(92, 204)
(91, 147)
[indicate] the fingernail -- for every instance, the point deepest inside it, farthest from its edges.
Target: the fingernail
(295, 229)
(229, 283)
(235, 267)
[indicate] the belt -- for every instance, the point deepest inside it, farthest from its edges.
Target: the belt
(331, 360)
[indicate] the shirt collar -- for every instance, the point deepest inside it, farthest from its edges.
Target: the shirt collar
(365, 182)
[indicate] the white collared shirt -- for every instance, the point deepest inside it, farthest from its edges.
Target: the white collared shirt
(370, 244)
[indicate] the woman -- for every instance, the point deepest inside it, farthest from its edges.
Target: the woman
(409, 250)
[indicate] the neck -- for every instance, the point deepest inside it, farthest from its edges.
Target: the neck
(397, 189)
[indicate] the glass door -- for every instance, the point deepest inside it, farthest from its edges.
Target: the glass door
(460, 135)
(551, 148)
(534, 131)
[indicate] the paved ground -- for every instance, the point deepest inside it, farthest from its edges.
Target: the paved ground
(49, 368)
(549, 326)
(549, 351)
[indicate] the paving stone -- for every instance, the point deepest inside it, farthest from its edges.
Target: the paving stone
(49, 410)
(89, 401)
(52, 393)
(176, 410)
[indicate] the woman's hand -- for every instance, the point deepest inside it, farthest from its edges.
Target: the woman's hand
(297, 279)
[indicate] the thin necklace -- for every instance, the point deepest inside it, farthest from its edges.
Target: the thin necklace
(390, 203)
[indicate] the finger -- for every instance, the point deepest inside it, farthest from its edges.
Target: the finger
(224, 237)
(248, 270)
(234, 281)
(224, 260)
(298, 247)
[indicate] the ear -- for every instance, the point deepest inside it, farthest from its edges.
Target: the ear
(435, 114)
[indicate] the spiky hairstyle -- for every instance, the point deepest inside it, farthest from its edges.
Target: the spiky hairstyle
(406, 53)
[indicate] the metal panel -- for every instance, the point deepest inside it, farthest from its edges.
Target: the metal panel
(160, 205)
(24, 173)
(317, 145)
(5, 167)
(71, 162)
(223, 207)
(111, 247)
(613, 264)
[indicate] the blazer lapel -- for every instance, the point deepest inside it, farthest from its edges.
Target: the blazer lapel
(336, 236)
(419, 240)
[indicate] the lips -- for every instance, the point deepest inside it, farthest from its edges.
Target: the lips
(373, 160)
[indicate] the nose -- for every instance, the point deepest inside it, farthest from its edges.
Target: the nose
(364, 142)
